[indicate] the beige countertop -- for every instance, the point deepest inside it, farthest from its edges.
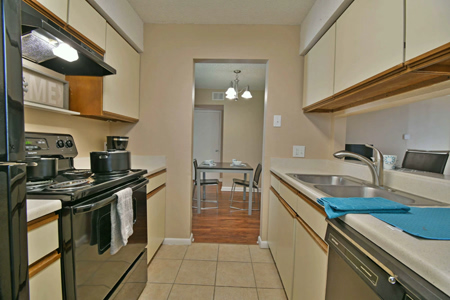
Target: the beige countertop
(39, 207)
(428, 258)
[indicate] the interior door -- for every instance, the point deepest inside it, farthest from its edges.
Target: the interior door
(208, 137)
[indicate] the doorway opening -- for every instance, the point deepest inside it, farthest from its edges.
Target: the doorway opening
(225, 130)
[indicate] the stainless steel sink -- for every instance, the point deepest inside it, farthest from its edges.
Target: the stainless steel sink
(326, 179)
(366, 192)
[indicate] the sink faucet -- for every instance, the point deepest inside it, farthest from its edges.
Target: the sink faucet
(375, 167)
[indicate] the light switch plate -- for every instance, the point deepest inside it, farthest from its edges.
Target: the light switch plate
(298, 151)
(276, 121)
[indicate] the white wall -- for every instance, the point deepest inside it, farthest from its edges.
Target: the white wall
(427, 122)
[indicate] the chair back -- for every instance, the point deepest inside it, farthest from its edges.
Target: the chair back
(257, 174)
(428, 161)
(195, 169)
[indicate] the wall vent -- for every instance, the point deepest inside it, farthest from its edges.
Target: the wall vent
(218, 96)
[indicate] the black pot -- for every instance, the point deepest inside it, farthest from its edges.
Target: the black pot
(41, 168)
(110, 162)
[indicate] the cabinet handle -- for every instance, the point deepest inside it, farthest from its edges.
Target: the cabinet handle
(43, 263)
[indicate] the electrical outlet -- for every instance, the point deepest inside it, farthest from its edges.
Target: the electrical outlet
(276, 121)
(298, 151)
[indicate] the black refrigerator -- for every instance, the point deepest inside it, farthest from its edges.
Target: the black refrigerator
(13, 213)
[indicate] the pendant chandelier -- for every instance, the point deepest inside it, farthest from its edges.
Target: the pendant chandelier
(233, 91)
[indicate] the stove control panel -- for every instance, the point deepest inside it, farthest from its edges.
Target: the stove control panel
(50, 144)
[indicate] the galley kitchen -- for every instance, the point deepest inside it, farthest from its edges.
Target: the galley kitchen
(178, 150)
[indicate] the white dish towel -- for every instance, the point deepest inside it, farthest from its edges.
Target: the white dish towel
(121, 219)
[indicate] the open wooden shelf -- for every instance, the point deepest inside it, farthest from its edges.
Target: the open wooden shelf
(425, 70)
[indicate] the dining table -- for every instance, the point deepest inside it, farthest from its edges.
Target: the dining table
(225, 167)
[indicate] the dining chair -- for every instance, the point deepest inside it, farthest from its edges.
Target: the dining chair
(204, 182)
(246, 183)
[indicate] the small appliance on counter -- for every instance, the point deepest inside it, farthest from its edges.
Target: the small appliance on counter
(116, 142)
(85, 227)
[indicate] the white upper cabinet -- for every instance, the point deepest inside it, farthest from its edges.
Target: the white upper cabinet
(58, 7)
(369, 40)
(318, 79)
(427, 26)
(85, 19)
(121, 91)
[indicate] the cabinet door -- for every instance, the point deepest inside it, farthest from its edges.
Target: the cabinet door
(369, 40)
(156, 222)
(310, 266)
(58, 7)
(47, 283)
(274, 206)
(318, 76)
(121, 91)
(86, 20)
(285, 252)
(427, 26)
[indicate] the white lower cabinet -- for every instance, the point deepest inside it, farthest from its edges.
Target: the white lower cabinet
(156, 220)
(310, 271)
(281, 240)
(47, 283)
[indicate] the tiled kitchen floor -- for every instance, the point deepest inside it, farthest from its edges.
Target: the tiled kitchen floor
(213, 271)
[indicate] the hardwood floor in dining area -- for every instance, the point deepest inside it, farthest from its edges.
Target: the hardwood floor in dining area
(226, 225)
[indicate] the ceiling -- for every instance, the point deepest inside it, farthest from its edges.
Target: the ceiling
(219, 75)
(280, 12)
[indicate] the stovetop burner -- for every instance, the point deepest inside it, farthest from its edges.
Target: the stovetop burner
(38, 185)
(68, 185)
(77, 174)
(111, 175)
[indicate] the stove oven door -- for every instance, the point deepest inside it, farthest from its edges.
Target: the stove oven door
(91, 272)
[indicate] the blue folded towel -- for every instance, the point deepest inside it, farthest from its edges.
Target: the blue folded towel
(336, 207)
(427, 222)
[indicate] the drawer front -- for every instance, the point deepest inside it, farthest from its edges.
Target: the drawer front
(155, 182)
(47, 283)
(290, 197)
(42, 241)
(312, 217)
(275, 183)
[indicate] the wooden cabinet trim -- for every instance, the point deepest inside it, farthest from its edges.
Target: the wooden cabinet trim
(151, 193)
(284, 203)
(156, 174)
(36, 223)
(312, 203)
(114, 116)
(313, 235)
(54, 18)
(43, 263)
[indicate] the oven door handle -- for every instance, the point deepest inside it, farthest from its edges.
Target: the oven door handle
(94, 206)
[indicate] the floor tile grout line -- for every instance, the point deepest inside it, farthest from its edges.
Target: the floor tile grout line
(171, 288)
(256, 286)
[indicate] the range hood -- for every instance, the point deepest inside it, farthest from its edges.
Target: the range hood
(40, 39)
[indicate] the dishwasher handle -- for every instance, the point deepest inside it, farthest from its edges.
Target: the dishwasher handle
(94, 206)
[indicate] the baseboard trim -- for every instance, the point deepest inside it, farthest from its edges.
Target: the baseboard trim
(174, 241)
(262, 244)
(228, 189)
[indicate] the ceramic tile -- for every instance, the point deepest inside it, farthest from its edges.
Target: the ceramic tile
(130, 291)
(171, 252)
(156, 291)
(237, 253)
(202, 251)
(271, 294)
(197, 272)
(191, 292)
(231, 293)
(235, 274)
(260, 255)
(163, 270)
(266, 276)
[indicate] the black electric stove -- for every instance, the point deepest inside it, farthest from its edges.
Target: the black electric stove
(85, 222)
(74, 189)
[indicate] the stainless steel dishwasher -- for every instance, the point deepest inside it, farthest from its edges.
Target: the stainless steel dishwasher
(359, 269)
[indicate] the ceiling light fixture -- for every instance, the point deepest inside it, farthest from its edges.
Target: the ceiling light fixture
(233, 91)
